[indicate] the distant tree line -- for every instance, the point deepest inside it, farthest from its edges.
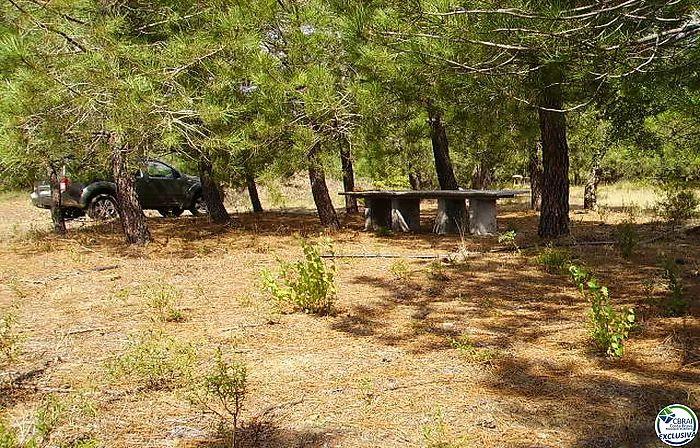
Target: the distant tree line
(419, 94)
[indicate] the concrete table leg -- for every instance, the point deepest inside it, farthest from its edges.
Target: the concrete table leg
(482, 216)
(451, 217)
(405, 214)
(377, 213)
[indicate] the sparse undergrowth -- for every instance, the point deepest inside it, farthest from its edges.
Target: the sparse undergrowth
(554, 260)
(609, 328)
(676, 304)
(164, 301)
(307, 285)
(153, 360)
(222, 391)
(471, 353)
(678, 202)
(9, 340)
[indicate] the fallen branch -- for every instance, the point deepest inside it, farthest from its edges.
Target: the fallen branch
(419, 256)
(84, 330)
(81, 272)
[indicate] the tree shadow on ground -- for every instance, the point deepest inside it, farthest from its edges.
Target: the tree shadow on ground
(267, 434)
(608, 410)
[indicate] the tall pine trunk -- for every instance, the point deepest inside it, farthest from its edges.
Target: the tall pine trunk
(253, 192)
(535, 168)
(131, 215)
(554, 215)
(59, 223)
(590, 192)
(441, 150)
(319, 189)
(348, 176)
(211, 192)
(482, 177)
(414, 178)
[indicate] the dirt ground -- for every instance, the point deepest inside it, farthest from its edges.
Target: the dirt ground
(383, 371)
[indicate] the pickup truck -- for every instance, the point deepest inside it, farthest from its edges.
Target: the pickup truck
(159, 187)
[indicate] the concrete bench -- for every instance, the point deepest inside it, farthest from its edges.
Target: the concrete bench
(400, 210)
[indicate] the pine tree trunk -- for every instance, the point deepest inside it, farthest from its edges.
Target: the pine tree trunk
(253, 192)
(482, 177)
(535, 168)
(590, 192)
(131, 215)
(319, 189)
(414, 179)
(441, 151)
(211, 192)
(348, 177)
(59, 223)
(554, 215)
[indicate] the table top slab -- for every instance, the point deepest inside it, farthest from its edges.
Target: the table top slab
(435, 194)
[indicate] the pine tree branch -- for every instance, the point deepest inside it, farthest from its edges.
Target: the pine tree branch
(47, 27)
(469, 41)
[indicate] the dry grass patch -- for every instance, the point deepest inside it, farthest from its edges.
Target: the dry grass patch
(383, 370)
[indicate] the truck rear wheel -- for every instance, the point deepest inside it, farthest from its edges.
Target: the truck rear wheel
(103, 207)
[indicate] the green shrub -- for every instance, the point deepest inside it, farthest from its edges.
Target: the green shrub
(554, 261)
(307, 285)
(676, 304)
(400, 270)
(436, 271)
(9, 340)
(609, 328)
(472, 354)
(508, 237)
(8, 439)
(436, 433)
(155, 361)
(163, 299)
(627, 238)
(678, 203)
(223, 390)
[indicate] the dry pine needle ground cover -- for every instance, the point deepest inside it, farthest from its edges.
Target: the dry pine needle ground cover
(384, 371)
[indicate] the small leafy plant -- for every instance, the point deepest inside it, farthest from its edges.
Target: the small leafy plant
(400, 270)
(436, 271)
(307, 285)
(508, 238)
(471, 353)
(164, 300)
(437, 433)
(627, 238)
(554, 261)
(678, 202)
(676, 304)
(223, 391)
(609, 328)
(154, 361)
(9, 340)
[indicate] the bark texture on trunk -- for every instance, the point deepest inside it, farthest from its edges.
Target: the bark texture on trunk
(554, 215)
(59, 223)
(211, 193)
(414, 178)
(348, 177)
(131, 215)
(319, 189)
(535, 168)
(590, 192)
(441, 151)
(253, 192)
(482, 177)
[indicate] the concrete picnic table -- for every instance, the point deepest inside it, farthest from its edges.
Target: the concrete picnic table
(400, 210)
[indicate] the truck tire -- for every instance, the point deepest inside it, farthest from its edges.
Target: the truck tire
(103, 207)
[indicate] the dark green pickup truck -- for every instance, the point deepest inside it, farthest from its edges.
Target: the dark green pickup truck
(159, 186)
